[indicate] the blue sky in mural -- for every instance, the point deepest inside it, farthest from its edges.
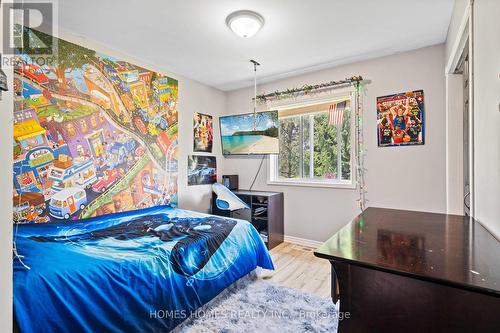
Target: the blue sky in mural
(105, 56)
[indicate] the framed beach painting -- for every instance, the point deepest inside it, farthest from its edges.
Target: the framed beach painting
(250, 133)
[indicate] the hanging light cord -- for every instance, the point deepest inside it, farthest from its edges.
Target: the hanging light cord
(255, 64)
(254, 88)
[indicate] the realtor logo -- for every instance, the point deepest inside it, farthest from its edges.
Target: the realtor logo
(28, 26)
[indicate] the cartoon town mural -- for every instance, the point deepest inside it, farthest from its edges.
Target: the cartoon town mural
(93, 135)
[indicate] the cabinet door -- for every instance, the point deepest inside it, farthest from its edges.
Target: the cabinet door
(242, 214)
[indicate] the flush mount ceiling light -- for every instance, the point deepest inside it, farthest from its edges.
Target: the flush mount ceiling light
(245, 23)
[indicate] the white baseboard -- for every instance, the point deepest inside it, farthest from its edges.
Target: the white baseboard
(302, 241)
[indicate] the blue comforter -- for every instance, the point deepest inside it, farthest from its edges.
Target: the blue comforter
(141, 271)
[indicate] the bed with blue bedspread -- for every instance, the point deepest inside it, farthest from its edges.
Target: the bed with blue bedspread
(140, 271)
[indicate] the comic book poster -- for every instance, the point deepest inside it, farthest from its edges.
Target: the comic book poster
(93, 135)
(202, 170)
(203, 133)
(400, 119)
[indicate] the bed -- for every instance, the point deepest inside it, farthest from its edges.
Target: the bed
(140, 271)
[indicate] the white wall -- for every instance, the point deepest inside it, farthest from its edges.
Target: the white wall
(6, 116)
(486, 113)
(193, 97)
(196, 97)
(486, 87)
(404, 177)
(455, 42)
(398, 177)
(454, 146)
(459, 10)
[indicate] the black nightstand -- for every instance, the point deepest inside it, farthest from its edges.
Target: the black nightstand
(265, 214)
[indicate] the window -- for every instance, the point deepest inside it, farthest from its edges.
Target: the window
(71, 130)
(313, 150)
(56, 203)
(83, 126)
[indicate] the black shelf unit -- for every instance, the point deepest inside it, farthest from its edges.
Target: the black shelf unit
(265, 213)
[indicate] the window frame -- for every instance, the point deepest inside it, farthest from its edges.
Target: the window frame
(272, 165)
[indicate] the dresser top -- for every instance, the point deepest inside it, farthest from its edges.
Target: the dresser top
(449, 249)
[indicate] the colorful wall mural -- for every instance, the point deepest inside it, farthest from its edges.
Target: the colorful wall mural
(93, 135)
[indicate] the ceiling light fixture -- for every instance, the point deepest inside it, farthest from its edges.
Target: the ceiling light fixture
(245, 23)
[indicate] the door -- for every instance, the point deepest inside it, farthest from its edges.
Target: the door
(71, 204)
(463, 68)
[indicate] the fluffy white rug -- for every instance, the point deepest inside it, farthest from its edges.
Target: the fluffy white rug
(255, 305)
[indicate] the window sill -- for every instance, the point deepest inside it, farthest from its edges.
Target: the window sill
(339, 185)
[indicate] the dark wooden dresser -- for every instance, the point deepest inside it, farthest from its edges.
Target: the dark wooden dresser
(405, 271)
(265, 214)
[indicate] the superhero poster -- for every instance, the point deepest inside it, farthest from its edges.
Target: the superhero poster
(400, 119)
(93, 135)
(203, 133)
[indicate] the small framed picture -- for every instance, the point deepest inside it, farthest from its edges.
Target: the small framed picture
(203, 133)
(202, 170)
(400, 119)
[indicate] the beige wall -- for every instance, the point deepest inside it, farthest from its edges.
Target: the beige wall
(397, 177)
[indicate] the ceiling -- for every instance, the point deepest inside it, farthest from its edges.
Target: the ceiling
(190, 38)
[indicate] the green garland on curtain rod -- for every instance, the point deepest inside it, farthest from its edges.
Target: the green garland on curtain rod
(307, 89)
(360, 150)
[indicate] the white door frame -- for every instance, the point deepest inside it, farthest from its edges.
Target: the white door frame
(465, 32)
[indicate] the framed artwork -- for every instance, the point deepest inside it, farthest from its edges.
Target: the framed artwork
(247, 134)
(400, 119)
(203, 133)
(202, 170)
(93, 135)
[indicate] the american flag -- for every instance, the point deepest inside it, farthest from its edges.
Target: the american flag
(336, 113)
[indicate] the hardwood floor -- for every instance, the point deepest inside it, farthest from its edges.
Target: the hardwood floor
(297, 267)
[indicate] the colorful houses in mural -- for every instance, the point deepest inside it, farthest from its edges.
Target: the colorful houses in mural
(101, 139)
